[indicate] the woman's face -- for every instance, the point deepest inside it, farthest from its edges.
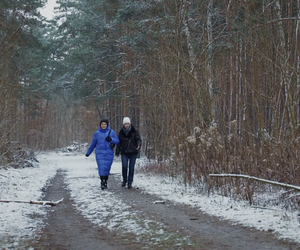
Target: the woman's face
(126, 125)
(103, 125)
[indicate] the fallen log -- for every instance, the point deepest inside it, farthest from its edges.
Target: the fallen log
(257, 179)
(51, 203)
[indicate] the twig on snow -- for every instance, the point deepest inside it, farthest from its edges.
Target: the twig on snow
(266, 208)
(51, 203)
(292, 196)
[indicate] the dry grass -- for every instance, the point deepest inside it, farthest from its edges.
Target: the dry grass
(208, 152)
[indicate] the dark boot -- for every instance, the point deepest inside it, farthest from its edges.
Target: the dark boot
(105, 184)
(129, 185)
(123, 183)
(102, 184)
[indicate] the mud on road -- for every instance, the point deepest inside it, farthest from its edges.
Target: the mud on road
(67, 229)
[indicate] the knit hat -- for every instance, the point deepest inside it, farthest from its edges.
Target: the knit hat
(126, 120)
(104, 120)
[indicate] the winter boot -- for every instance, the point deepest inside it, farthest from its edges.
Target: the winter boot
(129, 185)
(102, 183)
(123, 183)
(105, 184)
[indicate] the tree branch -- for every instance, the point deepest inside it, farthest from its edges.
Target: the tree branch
(51, 203)
(257, 179)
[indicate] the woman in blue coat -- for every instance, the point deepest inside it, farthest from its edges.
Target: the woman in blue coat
(104, 139)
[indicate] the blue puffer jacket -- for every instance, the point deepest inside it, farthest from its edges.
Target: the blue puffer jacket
(104, 154)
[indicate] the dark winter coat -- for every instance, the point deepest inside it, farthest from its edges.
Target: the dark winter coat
(103, 152)
(128, 143)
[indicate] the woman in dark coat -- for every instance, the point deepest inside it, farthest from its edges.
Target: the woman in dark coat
(102, 140)
(129, 146)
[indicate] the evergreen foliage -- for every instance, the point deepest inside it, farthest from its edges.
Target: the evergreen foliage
(227, 69)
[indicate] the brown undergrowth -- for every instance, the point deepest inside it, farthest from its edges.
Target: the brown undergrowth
(207, 152)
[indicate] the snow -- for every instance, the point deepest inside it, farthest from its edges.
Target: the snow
(19, 221)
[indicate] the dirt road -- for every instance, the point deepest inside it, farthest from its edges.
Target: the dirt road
(66, 229)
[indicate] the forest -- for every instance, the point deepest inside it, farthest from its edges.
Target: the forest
(213, 86)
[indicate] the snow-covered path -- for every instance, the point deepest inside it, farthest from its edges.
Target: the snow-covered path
(83, 182)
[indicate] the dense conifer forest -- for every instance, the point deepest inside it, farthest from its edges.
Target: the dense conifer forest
(213, 86)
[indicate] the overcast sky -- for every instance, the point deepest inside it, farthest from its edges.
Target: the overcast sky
(48, 11)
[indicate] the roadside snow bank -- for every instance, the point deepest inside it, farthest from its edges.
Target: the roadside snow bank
(18, 221)
(284, 223)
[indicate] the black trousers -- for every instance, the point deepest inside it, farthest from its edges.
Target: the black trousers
(103, 178)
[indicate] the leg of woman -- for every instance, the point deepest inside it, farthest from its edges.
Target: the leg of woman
(132, 160)
(124, 158)
(105, 181)
(102, 182)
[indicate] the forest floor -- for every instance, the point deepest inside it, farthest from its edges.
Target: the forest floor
(65, 228)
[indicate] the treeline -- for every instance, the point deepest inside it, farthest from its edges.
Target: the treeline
(213, 86)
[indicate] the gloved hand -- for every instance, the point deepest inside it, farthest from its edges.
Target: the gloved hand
(108, 138)
(87, 155)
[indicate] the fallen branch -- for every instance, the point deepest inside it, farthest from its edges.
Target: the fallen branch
(293, 196)
(257, 179)
(3, 175)
(51, 203)
(274, 209)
